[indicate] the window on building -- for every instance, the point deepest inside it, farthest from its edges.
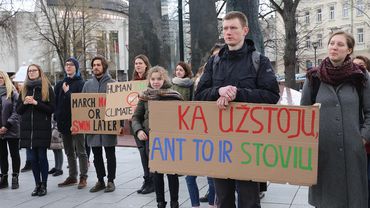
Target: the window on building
(319, 61)
(360, 7)
(331, 12)
(346, 9)
(307, 17)
(360, 35)
(318, 15)
(308, 42)
(308, 64)
(319, 40)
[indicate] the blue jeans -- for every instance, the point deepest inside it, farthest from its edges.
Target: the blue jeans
(40, 164)
(191, 182)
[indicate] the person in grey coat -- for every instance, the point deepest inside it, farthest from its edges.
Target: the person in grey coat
(9, 131)
(98, 84)
(342, 91)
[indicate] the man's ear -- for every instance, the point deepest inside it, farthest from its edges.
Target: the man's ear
(245, 30)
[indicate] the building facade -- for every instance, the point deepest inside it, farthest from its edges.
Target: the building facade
(317, 20)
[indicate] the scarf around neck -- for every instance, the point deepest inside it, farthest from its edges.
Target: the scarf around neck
(2, 90)
(336, 75)
(33, 83)
(182, 82)
(161, 94)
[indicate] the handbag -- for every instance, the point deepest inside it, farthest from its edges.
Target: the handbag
(56, 139)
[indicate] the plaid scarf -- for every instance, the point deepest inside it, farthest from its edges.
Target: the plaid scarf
(336, 75)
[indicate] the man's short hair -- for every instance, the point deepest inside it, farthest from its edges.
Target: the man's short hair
(239, 15)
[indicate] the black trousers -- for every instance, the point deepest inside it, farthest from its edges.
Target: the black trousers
(14, 154)
(143, 147)
(173, 183)
(248, 193)
(110, 154)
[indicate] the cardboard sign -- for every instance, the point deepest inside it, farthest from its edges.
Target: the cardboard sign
(88, 113)
(258, 142)
(122, 98)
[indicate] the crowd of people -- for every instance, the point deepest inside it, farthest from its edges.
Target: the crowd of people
(339, 83)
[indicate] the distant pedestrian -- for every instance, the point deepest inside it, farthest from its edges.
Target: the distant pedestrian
(35, 106)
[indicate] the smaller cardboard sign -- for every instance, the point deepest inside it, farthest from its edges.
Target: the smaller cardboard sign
(88, 113)
(122, 99)
(258, 142)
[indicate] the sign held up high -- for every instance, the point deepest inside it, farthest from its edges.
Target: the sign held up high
(259, 142)
(122, 98)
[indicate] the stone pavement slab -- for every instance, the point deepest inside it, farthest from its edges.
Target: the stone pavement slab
(128, 180)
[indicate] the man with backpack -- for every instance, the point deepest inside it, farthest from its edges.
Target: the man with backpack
(234, 77)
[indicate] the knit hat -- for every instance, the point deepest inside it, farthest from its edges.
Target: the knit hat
(75, 62)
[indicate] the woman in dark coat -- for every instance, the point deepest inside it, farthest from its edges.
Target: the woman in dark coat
(158, 89)
(342, 91)
(35, 106)
(142, 65)
(9, 131)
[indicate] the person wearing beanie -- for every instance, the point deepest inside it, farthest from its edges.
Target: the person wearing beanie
(74, 145)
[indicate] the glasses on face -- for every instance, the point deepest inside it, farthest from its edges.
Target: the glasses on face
(32, 70)
(69, 64)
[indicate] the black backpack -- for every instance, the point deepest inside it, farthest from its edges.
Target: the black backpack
(256, 56)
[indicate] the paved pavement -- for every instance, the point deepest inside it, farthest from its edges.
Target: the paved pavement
(129, 179)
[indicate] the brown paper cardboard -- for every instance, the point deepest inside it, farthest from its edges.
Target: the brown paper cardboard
(257, 142)
(122, 98)
(88, 113)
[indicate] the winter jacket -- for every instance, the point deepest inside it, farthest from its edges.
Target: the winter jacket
(184, 86)
(99, 86)
(236, 68)
(35, 122)
(9, 116)
(62, 112)
(342, 164)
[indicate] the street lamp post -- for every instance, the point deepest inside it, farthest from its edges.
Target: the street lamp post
(315, 45)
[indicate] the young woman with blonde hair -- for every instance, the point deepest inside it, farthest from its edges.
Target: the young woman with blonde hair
(9, 131)
(35, 106)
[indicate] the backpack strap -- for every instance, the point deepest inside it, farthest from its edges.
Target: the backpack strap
(256, 57)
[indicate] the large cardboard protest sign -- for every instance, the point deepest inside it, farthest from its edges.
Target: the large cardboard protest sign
(122, 99)
(257, 142)
(88, 113)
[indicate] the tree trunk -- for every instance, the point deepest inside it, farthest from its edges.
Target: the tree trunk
(145, 33)
(288, 13)
(204, 33)
(250, 9)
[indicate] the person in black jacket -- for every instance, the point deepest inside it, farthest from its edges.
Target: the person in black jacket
(73, 144)
(35, 106)
(9, 131)
(234, 79)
